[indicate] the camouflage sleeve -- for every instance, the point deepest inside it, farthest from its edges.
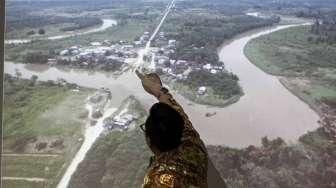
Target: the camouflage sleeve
(163, 179)
(189, 132)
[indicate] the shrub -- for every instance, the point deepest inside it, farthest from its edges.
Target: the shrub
(41, 31)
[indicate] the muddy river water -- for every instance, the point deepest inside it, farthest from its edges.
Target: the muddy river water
(266, 109)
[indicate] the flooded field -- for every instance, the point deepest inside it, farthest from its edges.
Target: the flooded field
(266, 109)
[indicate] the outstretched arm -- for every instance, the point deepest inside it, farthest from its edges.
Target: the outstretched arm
(153, 85)
(192, 147)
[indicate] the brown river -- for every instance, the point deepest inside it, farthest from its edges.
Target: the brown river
(266, 109)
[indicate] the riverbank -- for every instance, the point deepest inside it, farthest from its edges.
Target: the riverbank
(209, 98)
(43, 126)
(126, 32)
(277, 163)
(196, 70)
(105, 24)
(306, 68)
(253, 113)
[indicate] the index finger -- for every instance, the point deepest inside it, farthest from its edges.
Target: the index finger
(141, 76)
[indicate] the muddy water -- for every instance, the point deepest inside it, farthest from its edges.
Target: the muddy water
(266, 109)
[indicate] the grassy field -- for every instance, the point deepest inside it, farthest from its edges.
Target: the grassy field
(50, 30)
(40, 119)
(117, 159)
(305, 67)
(37, 166)
(21, 183)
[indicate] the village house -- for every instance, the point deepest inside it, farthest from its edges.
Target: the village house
(96, 44)
(52, 61)
(97, 52)
(120, 122)
(201, 90)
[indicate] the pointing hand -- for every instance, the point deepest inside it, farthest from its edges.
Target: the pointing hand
(150, 82)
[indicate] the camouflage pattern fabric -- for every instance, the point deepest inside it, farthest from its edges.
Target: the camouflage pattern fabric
(183, 167)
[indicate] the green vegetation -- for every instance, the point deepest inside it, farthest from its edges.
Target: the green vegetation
(117, 159)
(23, 166)
(224, 84)
(82, 23)
(36, 57)
(22, 183)
(209, 31)
(308, 163)
(127, 31)
(210, 98)
(307, 68)
(325, 29)
(199, 34)
(28, 107)
(40, 118)
(28, 25)
(223, 88)
(24, 20)
(41, 31)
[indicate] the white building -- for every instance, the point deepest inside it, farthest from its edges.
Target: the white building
(52, 61)
(171, 42)
(64, 52)
(74, 48)
(207, 66)
(179, 62)
(127, 47)
(201, 90)
(95, 44)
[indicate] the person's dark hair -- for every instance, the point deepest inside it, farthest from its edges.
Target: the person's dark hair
(164, 127)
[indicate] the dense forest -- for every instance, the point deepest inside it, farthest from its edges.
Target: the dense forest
(199, 36)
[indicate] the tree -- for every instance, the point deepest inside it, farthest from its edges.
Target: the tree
(18, 74)
(41, 31)
(265, 142)
(33, 80)
(310, 39)
(36, 57)
(32, 32)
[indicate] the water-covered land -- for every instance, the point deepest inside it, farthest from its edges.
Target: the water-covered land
(237, 108)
